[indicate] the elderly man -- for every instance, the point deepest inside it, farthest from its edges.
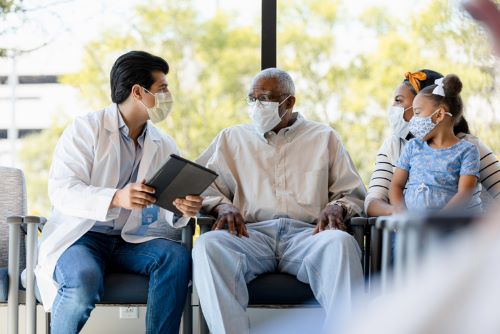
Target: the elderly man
(286, 188)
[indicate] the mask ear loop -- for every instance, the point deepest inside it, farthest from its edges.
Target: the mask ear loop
(286, 110)
(154, 96)
(147, 91)
(434, 114)
(403, 113)
(446, 113)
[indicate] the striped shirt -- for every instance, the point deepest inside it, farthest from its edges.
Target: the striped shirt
(388, 155)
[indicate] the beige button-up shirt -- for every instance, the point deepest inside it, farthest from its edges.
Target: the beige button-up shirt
(295, 173)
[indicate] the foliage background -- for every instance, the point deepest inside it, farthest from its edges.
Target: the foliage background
(213, 61)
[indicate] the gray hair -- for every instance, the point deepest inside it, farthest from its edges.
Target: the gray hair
(285, 82)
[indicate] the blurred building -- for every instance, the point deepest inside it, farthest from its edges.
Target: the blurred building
(39, 100)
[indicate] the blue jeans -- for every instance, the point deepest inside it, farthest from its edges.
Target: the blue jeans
(80, 274)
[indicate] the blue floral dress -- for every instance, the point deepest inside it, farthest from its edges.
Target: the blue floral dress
(434, 174)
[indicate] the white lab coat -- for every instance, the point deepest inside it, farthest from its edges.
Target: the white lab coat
(82, 182)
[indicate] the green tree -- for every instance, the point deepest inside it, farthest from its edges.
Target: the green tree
(214, 59)
(36, 157)
(353, 97)
(211, 64)
(7, 7)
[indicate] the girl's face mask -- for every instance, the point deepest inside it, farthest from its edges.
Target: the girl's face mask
(420, 126)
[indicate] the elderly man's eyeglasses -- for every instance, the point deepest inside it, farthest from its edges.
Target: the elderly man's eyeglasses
(251, 100)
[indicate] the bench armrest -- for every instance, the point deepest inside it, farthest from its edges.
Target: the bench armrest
(32, 223)
(205, 223)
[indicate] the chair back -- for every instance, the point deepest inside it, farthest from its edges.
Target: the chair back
(12, 203)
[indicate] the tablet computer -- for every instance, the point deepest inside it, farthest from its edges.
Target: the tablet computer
(178, 178)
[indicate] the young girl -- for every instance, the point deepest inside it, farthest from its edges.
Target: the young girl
(439, 170)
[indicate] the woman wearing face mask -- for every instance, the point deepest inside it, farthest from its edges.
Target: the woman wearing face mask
(437, 169)
(401, 112)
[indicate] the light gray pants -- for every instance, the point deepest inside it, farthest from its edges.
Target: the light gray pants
(329, 261)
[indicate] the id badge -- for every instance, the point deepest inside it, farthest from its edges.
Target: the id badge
(150, 214)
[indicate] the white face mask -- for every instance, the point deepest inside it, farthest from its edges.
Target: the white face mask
(162, 107)
(265, 115)
(399, 126)
(421, 126)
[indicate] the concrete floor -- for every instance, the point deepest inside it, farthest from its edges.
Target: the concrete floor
(106, 320)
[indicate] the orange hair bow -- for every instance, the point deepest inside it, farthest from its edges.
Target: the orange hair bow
(415, 78)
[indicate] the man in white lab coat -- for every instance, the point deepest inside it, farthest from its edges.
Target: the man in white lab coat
(103, 213)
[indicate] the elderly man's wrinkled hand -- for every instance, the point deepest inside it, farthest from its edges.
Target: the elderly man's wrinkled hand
(332, 217)
(229, 217)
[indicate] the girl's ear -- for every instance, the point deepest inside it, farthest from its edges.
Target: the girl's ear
(441, 113)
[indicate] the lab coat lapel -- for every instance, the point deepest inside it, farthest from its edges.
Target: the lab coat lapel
(111, 125)
(151, 143)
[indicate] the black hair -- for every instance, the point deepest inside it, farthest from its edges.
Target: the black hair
(430, 77)
(452, 86)
(134, 67)
(462, 126)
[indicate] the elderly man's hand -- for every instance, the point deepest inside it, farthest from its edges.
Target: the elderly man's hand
(332, 217)
(189, 206)
(228, 216)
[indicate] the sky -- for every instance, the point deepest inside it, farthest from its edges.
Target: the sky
(66, 26)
